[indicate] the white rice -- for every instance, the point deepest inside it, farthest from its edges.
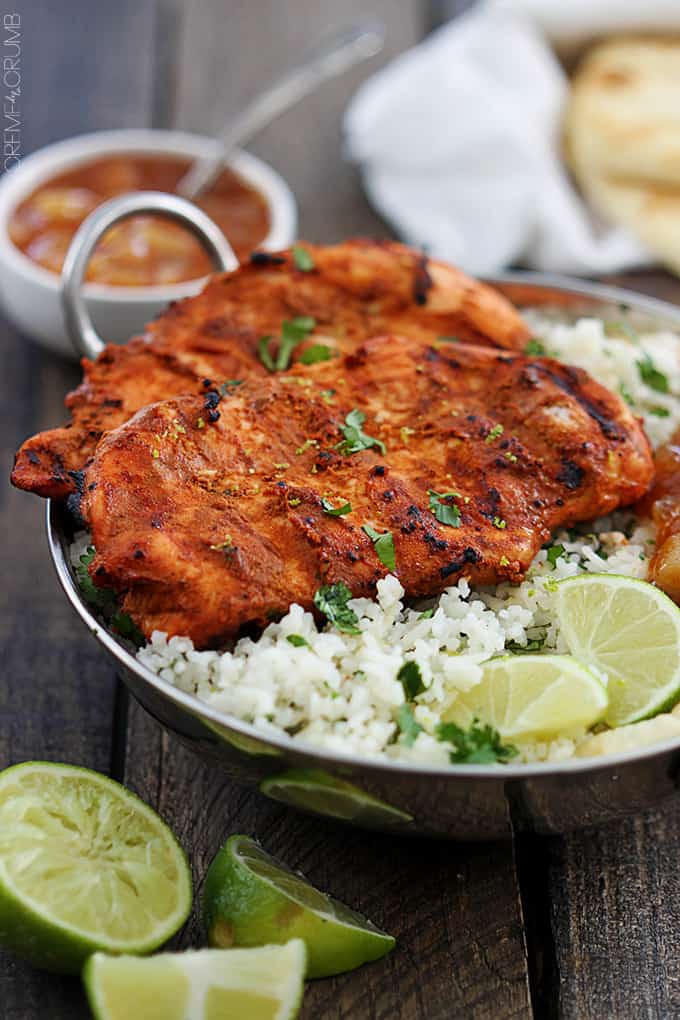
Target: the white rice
(340, 691)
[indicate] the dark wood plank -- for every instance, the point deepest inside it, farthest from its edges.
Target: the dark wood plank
(455, 910)
(244, 47)
(84, 67)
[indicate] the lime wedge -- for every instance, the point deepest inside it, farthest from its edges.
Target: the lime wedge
(317, 791)
(210, 984)
(253, 899)
(84, 865)
(532, 697)
(631, 631)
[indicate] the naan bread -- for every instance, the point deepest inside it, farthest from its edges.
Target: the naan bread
(622, 138)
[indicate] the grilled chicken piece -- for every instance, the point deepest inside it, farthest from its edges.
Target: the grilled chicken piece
(356, 290)
(208, 514)
(663, 504)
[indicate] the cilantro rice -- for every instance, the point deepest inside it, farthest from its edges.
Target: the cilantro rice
(340, 691)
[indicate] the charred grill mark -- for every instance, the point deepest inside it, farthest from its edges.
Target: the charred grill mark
(33, 458)
(378, 471)
(422, 281)
(570, 385)
(263, 258)
(212, 399)
(469, 555)
(489, 506)
(434, 542)
(111, 402)
(571, 474)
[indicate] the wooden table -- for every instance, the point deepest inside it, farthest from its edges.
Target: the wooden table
(581, 927)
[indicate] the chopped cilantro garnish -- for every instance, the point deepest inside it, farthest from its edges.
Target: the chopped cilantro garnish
(499, 523)
(533, 645)
(405, 432)
(449, 339)
(327, 396)
(427, 614)
(408, 725)
(495, 432)
(302, 259)
(263, 352)
(554, 553)
(105, 600)
(318, 352)
(383, 543)
(534, 348)
(331, 600)
(297, 641)
(355, 439)
(479, 745)
(200, 423)
(504, 562)
(445, 511)
(292, 333)
(651, 375)
(626, 394)
(510, 456)
(660, 412)
(410, 678)
(336, 511)
(305, 446)
(229, 385)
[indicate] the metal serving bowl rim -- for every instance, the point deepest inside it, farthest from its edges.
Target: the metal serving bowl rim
(57, 542)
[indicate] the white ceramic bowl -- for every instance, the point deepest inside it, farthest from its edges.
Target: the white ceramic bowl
(30, 294)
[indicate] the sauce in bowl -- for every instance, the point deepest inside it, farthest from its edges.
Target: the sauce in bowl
(144, 250)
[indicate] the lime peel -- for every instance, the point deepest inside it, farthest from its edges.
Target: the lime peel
(250, 899)
(85, 865)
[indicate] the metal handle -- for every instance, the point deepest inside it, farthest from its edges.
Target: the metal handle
(335, 56)
(84, 336)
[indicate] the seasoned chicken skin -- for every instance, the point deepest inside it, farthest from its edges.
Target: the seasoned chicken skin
(213, 514)
(356, 290)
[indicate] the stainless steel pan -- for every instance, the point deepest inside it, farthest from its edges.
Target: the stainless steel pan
(464, 802)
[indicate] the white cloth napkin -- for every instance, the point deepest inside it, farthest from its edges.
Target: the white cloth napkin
(459, 138)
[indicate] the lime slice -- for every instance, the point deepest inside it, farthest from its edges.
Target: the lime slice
(84, 865)
(317, 791)
(532, 697)
(211, 984)
(253, 899)
(631, 631)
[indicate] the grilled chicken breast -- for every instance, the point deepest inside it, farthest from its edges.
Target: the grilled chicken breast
(213, 513)
(354, 291)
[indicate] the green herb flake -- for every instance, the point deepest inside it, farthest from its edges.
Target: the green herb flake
(336, 511)
(449, 340)
(510, 456)
(534, 348)
(226, 388)
(294, 502)
(305, 446)
(317, 352)
(405, 432)
(626, 394)
(331, 600)
(495, 432)
(621, 327)
(297, 641)
(155, 453)
(445, 511)
(263, 352)
(427, 614)
(105, 601)
(651, 375)
(327, 396)
(408, 725)
(504, 562)
(480, 745)
(499, 523)
(200, 423)
(660, 412)
(554, 553)
(383, 543)
(354, 438)
(302, 259)
(411, 679)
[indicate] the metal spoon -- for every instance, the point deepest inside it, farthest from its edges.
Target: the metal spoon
(349, 47)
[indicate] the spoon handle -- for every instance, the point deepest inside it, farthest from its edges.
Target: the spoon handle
(349, 47)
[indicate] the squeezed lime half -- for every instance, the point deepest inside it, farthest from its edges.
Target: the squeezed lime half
(252, 899)
(210, 984)
(85, 865)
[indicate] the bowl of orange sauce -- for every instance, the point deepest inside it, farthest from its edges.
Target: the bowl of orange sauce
(143, 263)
